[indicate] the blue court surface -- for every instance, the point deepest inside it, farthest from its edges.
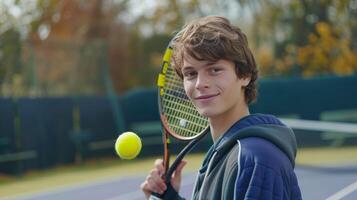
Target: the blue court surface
(316, 184)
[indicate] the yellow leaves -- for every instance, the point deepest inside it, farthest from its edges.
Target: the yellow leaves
(323, 29)
(347, 62)
(326, 52)
(313, 38)
(264, 57)
(267, 64)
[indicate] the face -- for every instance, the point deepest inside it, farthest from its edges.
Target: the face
(213, 87)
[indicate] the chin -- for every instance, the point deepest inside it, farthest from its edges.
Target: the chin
(207, 112)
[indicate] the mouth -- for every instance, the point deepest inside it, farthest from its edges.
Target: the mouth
(206, 97)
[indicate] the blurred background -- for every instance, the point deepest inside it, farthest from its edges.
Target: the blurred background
(76, 73)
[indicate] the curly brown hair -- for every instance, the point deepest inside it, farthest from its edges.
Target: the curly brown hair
(213, 38)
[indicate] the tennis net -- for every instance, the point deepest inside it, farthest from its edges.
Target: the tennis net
(324, 144)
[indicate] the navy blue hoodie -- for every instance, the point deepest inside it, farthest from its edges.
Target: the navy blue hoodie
(253, 160)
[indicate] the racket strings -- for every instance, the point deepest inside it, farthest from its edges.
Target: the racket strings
(182, 117)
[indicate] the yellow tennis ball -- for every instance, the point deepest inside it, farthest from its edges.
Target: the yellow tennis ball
(128, 145)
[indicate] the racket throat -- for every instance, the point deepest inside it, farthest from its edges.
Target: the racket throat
(166, 141)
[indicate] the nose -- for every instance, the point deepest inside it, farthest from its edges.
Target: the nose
(202, 81)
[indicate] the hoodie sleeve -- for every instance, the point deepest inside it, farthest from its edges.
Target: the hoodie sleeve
(264, 172)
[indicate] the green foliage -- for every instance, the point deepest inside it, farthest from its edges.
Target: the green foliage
(10, 54)
(306, 38)
(51, 46)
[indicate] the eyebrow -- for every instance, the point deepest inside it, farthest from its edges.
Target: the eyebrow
(209, 63)
(187, 67)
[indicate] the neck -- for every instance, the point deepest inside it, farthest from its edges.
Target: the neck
(221, 123)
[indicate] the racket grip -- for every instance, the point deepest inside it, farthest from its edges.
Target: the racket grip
(154, 197)
(169, 194)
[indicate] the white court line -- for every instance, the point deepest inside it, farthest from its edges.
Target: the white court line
(344, 192)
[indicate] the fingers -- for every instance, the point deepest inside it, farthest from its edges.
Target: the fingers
(176, 177)
(154, 182)
(159, 165)
(179, 168)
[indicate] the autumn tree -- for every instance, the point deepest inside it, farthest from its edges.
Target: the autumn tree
(287, 36)
(65, 46)
(304, 37)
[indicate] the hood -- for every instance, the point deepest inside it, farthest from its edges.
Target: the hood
(256, 125)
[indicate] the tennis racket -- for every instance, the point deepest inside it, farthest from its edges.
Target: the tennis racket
(178, 115)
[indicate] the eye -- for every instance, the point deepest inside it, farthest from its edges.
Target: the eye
(189, 74)
(215, 70)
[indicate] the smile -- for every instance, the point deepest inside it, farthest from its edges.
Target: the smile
(206, 97)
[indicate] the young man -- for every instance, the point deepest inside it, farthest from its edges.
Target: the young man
(253, 154)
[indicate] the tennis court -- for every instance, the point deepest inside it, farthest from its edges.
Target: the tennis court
(315, 184)
(328, 172)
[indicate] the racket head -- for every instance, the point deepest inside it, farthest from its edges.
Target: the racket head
(178, 114)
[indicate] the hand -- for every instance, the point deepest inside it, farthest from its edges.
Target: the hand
(155, 183)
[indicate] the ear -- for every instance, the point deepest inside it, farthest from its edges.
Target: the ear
(245, 81)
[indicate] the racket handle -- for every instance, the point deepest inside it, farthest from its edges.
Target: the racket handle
(154, 197)
(180, 156)
(169, 194)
